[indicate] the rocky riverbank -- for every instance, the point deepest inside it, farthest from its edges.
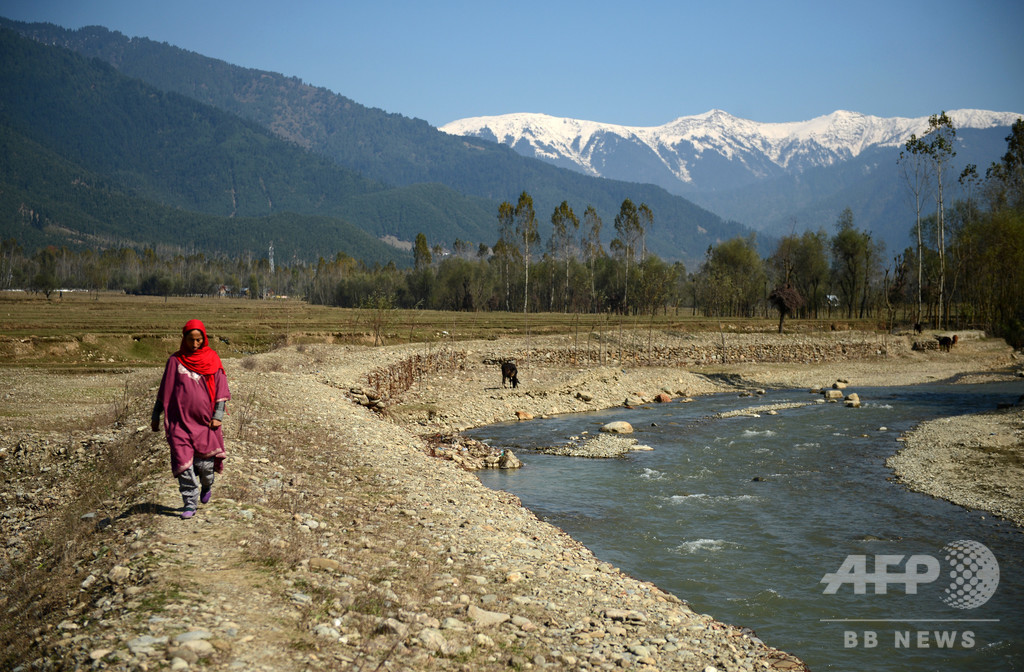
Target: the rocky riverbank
(975, 461)
(345, 537)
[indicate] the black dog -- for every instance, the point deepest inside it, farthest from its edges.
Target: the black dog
(510, 373)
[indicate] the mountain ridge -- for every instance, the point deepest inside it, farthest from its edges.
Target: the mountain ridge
(842, 132)
(392, 149)
(777, 178)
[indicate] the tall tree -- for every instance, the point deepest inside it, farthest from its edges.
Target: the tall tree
(421, 252)
(628, 226)
(562, 239)
(646, 221)
(938, 149)
(732, 279)
(854, 257)
(592, 245)
(800, 262)
(526, 231)
(505, 248)
(912, 164)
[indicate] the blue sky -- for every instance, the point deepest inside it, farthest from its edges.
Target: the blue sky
(642, 63)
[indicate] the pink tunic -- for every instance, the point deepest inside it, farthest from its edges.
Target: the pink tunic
(185, 400)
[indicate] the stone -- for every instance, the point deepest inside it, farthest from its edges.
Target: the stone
(200, 646)
(326, 631)
(617, 427)
(625, 615)
(486, 619)
(144, 645)
(508, 460)
(663, 398)
(832, 394)
(324, 563)
(524, 415)
(118, 574)
(392, 626)
(193, 635)
(432, 639)
(180, 652)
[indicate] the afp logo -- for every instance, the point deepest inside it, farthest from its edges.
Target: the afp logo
(972, 571)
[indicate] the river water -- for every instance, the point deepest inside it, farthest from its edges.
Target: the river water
(743, 517)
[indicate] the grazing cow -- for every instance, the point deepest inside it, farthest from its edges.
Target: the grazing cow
(946, 343)
(509, 373)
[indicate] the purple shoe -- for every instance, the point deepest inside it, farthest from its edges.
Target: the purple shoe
(205, 495)
(188, 513)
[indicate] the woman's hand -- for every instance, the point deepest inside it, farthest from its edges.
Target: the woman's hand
(214, 424)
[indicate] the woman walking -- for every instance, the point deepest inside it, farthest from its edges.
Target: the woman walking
(192, 398)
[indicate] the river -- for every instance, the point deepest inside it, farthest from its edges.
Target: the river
(743, 517)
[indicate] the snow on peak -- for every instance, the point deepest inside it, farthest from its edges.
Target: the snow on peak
(678, 143)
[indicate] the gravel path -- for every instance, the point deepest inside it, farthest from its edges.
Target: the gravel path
(341, 538)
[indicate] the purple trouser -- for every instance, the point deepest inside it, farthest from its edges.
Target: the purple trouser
(199, 475)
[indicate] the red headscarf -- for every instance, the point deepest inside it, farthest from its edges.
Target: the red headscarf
(203, 361)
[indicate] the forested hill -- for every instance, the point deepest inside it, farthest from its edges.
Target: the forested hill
(91, 156)
(390, 148)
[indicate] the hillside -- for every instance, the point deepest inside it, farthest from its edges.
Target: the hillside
(94, 157)
(392, 149)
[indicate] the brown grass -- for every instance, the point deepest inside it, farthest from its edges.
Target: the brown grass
(45, 578)
(108, 330)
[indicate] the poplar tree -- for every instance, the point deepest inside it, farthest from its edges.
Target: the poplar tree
(912, 164)
(592, 246)
(627, 224)
(504, 249)
(561, 240)
(526, 231)
(936, 148)
(421, 252)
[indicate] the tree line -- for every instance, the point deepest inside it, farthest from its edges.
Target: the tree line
(965, 268)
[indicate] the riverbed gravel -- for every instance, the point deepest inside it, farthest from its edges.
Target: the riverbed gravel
(341, 537)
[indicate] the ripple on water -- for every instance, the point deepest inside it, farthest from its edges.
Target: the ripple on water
(705, 498)
(703, 546)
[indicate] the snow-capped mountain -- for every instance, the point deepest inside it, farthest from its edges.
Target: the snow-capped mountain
(680, 146)
(766, 175)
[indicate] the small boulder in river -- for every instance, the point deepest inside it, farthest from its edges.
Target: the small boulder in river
(618, 427)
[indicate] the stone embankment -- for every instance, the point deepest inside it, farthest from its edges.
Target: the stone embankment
(703, 350)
